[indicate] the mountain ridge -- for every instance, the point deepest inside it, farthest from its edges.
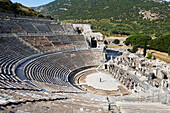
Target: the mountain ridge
(113, 17)
(99, 9)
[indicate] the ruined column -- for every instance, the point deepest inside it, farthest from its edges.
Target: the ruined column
(130, 86)
(127, 83)
(119, 77)
(123, 81)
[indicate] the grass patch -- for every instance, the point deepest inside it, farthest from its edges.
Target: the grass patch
(112, 46)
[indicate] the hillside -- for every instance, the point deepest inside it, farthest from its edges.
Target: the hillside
(123, 16)
(15, 8)
(97, 9)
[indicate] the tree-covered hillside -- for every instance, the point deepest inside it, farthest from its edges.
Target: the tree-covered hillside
(125, 17)
(15, 8)
(99, 9)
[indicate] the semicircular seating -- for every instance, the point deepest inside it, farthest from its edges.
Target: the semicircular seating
(11, 51)
(55, 68)
(36, 43)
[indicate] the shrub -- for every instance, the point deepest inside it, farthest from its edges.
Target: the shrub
(116, 41)
(50, 17)
(40, 15)
(30, 9)
(149, 56)
(105, 42)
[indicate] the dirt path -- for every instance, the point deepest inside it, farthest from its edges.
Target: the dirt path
(113, 37)
(160, 55)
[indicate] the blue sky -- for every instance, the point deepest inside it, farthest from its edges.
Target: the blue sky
(32, 3)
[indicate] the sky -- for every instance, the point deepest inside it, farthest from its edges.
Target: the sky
(32, 3)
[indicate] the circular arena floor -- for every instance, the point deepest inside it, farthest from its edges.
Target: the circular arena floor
(102, 81)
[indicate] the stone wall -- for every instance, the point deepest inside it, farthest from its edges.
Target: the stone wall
(148, 71)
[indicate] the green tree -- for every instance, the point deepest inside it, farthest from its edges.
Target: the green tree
(160, 43)
(40, 15)
(15, 8)
(116, 41)
(105, 42)
(138, 40)
(133, 50)
(169, 51)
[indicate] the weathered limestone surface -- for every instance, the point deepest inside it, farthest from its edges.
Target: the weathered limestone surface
(154, 72)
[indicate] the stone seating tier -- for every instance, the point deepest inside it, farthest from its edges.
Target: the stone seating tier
(55, 68)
